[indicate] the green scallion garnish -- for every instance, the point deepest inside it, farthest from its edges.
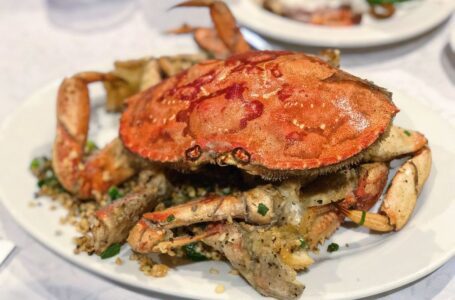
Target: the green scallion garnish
(170, 218)
(262, 209)
(112, 250)
(333, 247)
(362, 219)
(35, 164)
(114, 193)
(192, 253)
(90, 146)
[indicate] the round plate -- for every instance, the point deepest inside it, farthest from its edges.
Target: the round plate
(452, 38)
(366, 263)
(412, 18)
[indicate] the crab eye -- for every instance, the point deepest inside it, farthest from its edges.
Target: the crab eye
(241, 155)
(193, 153)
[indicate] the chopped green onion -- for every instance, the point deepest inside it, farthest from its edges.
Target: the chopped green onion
(112, 250)
(362, 219)
(41, 183)
(303, 243)
(192, 253)
(407, 133)
(333, 247)
(35, 164)
(170, 218)
(114, 193)
(51, 182)
(90, 146)
(262, 209)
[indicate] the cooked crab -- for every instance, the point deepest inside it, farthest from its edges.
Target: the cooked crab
(319, 138)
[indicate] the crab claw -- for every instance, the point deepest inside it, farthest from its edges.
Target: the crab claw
(227, 39)
(143, 237)
(322, 221)
(401, 197)
(84, 176)
(147, 238)
(113, 222)
(399, 142)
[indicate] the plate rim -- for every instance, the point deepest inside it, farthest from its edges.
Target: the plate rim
(127, 282)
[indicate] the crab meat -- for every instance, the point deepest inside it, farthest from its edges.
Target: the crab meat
(260, 259)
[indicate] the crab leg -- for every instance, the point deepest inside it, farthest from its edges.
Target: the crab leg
(257, 257)
(227, 39)
(268, 205)
(141, 234)
(251, 252)
(113, 222)
(401, 197)
(320, 222)
(84, 177)
(246, 206)
(266, 261)
(399, 142)
(155, 226)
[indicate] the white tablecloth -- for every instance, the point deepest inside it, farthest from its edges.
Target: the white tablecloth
(40, 42)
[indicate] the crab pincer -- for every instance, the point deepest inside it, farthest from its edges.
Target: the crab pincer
(86, 177)
(113, 222)
(400, 199)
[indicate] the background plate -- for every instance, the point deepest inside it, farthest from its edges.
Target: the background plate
(412, 19)
(371, 264)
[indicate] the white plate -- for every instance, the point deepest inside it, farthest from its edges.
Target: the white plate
(412, 18)
(370, 265)
(452, 37)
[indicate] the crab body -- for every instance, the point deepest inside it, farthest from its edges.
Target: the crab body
(268, 112)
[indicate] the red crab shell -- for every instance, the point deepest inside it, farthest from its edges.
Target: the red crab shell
(264, 110)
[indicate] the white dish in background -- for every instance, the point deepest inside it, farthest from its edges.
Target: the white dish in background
(371, 264)
(412, 19)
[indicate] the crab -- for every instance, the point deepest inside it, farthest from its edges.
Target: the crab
(319, 139)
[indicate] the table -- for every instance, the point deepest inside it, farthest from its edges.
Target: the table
(41, 42)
